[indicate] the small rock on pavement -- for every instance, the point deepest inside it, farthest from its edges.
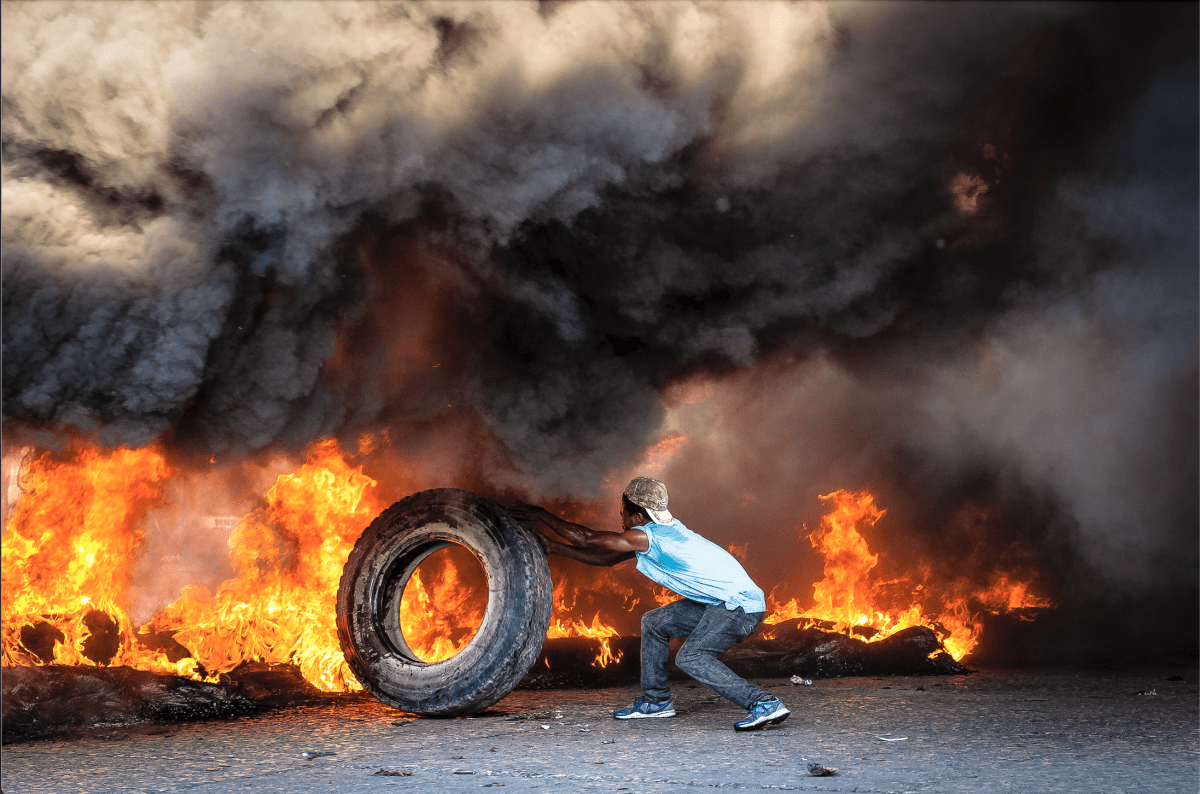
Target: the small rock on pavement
(394, 772)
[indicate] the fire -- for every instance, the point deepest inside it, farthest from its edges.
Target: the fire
(68, 549)
(847, 559)
(663, 596)
(961, 631)
(289, 556)
(439, 619)
(597, 630)
(74, 533)
(1006, 596)
(846, 598)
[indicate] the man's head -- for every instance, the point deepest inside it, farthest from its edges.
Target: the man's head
(632, 515)
(649, 497)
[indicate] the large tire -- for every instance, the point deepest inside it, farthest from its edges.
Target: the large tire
(508, 641)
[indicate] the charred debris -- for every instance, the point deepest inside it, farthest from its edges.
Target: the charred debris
(54, 700)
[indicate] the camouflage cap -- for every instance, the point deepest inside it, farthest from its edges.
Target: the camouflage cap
(650, 495)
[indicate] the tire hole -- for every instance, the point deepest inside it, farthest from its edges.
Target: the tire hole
(443, 603)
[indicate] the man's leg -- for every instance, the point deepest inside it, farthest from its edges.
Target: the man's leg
(718, 630)
(677, 619)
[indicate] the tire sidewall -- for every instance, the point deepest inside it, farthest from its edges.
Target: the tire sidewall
(515, 621)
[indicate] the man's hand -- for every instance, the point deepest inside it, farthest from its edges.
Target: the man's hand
(532, 514)
(549, 545)
(534, 517)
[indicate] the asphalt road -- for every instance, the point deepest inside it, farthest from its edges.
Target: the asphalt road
(990, 732)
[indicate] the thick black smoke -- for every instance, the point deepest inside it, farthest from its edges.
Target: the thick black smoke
(241, 226)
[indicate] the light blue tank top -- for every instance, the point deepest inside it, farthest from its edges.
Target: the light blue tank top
(696, 568)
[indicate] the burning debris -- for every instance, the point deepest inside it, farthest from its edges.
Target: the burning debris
(573, 663)
(40, 702)
(813, 653)
(289, 554)
(845, 596)
(234, 640)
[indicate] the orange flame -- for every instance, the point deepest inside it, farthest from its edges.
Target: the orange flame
(73, 536)
(289, 556)
(439, 620)
(847, 559)
(597, 630)
(663, 596)
(68, 549)
(844, 598)
(74, 533)
(1006, 596)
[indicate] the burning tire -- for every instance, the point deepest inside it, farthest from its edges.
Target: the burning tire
(508, 640)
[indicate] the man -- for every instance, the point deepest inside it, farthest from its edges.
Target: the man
(721, 605)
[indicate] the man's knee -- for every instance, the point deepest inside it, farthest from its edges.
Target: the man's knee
(650, 623)
(689, 659)
(657, 620)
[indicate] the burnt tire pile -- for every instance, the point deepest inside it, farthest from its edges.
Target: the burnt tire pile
(508, 640)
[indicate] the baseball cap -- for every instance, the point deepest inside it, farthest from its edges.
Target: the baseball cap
(650, 495)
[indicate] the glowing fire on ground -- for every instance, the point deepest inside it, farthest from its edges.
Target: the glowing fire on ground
(68, 547)
(74, 533)
(289, 557)
(597, 630)
(846, 598)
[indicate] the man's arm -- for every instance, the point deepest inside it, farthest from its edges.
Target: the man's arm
(590, 556)
(609, 547)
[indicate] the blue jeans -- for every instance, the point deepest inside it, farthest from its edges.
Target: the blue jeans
(711, 630)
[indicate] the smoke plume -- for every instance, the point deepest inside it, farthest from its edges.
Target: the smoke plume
(944, 251)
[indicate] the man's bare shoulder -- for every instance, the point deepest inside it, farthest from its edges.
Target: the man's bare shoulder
(635, 539)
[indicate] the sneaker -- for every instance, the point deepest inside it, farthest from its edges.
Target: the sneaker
(762, 713)
(646, 708)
